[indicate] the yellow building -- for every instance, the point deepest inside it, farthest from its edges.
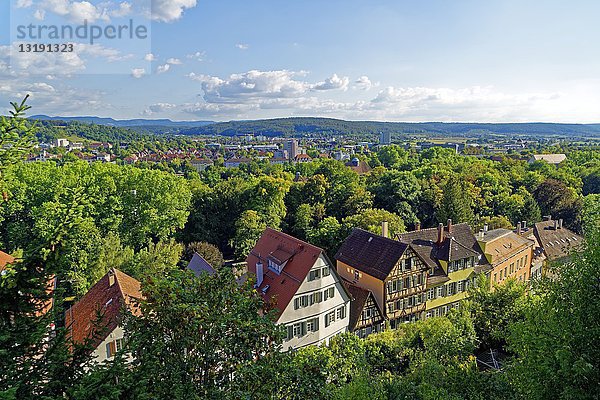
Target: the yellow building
(453, 259)
(509, 254)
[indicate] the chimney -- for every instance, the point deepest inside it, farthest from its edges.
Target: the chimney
(560, 222)
(555, 224)
(449, 225)
(547, 217)
(524, 225)
(481, 233)
(519, 228)
(440, 233)
(485, 228)
(417, 226)
(384, 229)
(111, 277)
(259, 274)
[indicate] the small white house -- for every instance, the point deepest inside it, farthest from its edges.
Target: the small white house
(297, 280)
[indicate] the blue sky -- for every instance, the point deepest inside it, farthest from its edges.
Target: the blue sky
(488, 61)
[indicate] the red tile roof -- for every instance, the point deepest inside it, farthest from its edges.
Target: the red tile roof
(5, 259)
(107, 299)
(300, 256)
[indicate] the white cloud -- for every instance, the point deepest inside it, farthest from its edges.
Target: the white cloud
(77, 11)
(363, 83)
(174, 61)
(149, 57)
(335, 82)
(198, 56)
(163, 68)
(242, 46)
(99, 51)
(39, 14)
(138, 72)
(24, 3)
(158, 108)
(123, 10)
(170, 10)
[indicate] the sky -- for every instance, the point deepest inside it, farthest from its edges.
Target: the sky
(395, 60)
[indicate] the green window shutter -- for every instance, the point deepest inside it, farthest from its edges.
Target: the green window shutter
(290, 332)
(303, 329)
(316, 323)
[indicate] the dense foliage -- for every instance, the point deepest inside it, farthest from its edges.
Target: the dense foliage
(204, 337)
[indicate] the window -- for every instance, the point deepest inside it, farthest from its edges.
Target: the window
(391, 307)
(460, 287)
(314, 274)
(430, 294)
(329, 318)
(297, 329)
(111, 349)
(119, 344)
(325, 271)
(341, 312)
(367, 313)
(440, 291)
(312, 325)
(331, 292)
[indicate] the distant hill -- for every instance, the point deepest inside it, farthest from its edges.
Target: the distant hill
(126, 123)
(301, 126)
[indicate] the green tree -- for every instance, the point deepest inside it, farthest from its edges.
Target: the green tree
(248, 229)
(183, 349)
(556, 345)
(456, 202)
(209, 252)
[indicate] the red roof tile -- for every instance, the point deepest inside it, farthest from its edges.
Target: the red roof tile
(299, 257)
(5, 259)
(107, 297)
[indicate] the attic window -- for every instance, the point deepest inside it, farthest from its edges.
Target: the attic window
(265, 289)
(370, 238)
(108, 302)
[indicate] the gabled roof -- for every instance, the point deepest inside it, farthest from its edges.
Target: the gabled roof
(550, 158)
(457, 244)
(198, 265)
(361, 168)
(108, 296)
(557, 243)
(501, 244)
(299, 258)
(357, 303)
(5, 259)
(370, 253)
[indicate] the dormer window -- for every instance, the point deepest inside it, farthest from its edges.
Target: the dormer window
(277, 260)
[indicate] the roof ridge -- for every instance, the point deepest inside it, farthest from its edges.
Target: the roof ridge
(378, 236)
(268, 228)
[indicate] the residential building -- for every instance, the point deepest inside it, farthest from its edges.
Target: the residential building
(366, 316)
(199, 265)
(236, 162)
(292, 148)
(113, 293)
(61, 142)
(358, 166)
(201, 164)
(508, 253)
(557, 242)
(391, 270)
(302, 158)
(553, 159)
(297, 280)
(453, 259)
(385, 138)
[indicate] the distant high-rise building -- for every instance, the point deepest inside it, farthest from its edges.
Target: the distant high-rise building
(385, 138)
(292, 148)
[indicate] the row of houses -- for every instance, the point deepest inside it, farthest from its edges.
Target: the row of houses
(374, 282)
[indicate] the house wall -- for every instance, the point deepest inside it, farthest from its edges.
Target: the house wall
(438, 302)
(291, 316)
(100, 353)
(520, 269)
(364, 281)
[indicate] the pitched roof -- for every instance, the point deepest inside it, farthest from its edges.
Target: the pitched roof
(198, 265)
(107, 297)
(501, 244)
(5, 259)
(299, 257)
(458, 244)
(557, 243)
(550, 158)
(357, 303)
(361, 168)
(370, 253)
